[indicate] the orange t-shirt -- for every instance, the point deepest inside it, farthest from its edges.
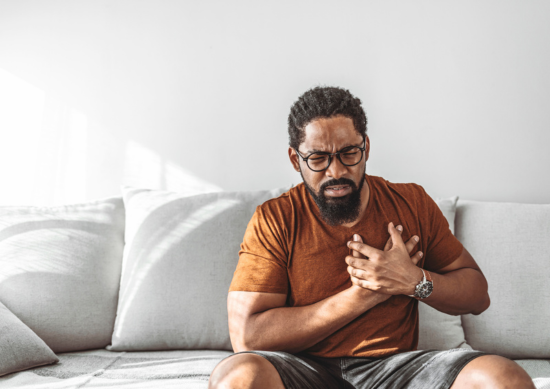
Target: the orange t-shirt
(288, 249)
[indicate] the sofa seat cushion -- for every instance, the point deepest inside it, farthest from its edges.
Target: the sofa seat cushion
(539, 370)
(189, 369)
(107, 369)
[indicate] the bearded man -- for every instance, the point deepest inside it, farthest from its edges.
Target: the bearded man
(330, 274)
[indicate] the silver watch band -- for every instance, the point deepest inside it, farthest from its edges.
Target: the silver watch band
(423, 280)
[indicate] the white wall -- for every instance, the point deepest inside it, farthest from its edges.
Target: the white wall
(194, 95)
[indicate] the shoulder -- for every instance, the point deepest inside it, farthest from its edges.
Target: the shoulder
(282, 208)
(405, 191)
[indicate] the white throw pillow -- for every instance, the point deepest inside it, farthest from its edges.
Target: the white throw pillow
(60, 270)
(510, 242)
(180, 255)
(20, 348)
(437, 330)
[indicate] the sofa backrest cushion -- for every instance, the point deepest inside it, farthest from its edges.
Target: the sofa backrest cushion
(20, 348)
(438, 330)
(60, 270)
(180, 255)
(511, 244)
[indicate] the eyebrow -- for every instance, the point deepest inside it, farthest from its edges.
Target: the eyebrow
(323, 151)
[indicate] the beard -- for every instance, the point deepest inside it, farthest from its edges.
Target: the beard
(336, 211)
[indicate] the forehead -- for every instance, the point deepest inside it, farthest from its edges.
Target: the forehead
(330, 134)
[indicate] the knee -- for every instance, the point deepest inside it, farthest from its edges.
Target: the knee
(244, 371)
(492, 371)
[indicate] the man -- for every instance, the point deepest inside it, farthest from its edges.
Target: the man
(327, 285)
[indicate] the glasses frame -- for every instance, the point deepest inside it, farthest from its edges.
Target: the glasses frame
(331, 155)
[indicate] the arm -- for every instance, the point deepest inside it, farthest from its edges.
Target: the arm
(459, 288)
(261, 321)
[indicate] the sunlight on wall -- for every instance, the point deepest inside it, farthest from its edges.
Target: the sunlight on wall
(43, 146)
(144, 168)
(21, 107)
(61, 172)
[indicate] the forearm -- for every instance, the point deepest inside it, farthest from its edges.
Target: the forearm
(293, 329)
(459, 292)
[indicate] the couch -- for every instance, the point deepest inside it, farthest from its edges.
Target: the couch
(130, 291)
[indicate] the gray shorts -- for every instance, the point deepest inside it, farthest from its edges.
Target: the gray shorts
(414, 369)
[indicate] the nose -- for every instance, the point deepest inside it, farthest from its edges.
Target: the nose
(336, 169)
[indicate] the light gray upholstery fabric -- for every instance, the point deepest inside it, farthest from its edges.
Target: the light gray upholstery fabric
(188, 369)
(437, 330)
(179, 259)
(20, 348)
(511, 244)
(60, 270)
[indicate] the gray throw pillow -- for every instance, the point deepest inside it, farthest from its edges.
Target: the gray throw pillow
(180, 255)
(60, 270)
(20, 348)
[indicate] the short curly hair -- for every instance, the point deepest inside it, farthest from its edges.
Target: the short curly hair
(324, 102)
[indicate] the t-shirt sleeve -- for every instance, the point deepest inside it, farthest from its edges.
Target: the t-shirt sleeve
(262, 265)
(443, 247)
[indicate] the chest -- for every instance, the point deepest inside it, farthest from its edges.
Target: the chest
(317, 268)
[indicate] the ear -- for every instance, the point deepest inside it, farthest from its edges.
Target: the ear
(367, 148)
(294, 159)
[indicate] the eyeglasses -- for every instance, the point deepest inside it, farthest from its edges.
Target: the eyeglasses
(320, 161)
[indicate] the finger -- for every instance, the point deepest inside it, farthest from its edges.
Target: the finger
(364, 249)
(388, 245)
(355, 253)
(362, 283)
(397, 241)
(411, 243)
(357, 273)
(365, 284)
(417, 257)
(358, 263)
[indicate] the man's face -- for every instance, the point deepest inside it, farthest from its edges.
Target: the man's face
(336, 190)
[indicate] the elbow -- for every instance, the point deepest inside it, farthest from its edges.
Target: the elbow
(483, 306)
(242, 341)
(240, 345)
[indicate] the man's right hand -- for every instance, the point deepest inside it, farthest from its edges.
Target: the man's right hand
(409, 245)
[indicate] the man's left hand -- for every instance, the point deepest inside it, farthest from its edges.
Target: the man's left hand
(389, 272)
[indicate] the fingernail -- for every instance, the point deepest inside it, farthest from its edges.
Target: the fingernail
(399, 228)
(420, 254)
(356, 237)
(349, 243)
(416, 238)
(391, 224)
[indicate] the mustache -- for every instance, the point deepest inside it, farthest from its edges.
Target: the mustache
(339, 181)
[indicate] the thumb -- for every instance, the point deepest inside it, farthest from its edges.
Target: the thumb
(357, 254)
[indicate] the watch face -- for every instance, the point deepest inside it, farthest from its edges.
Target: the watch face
(424, 290)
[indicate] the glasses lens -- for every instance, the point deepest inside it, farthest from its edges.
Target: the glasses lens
(351, 156)
(317, 161)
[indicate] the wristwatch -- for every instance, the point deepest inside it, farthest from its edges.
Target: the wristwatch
(424, 288)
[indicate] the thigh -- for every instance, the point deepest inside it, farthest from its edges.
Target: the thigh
(411, 370)
(246, 371)
(303, 372)
(493, 371)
